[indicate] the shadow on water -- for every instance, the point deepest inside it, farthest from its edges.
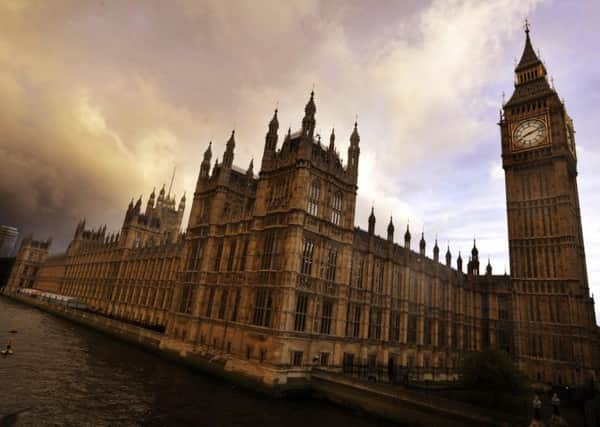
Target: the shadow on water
(70, 375)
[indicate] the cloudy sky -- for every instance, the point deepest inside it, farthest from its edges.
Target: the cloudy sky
(100, 99)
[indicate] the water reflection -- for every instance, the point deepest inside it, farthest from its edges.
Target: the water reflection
(70, 375)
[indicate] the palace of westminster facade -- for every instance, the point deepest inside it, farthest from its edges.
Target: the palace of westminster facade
(273, 271)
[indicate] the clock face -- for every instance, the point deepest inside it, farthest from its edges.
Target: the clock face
(529, 134)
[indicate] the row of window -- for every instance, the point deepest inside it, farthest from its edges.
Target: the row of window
(323, 320)
(534, 313)
(324, 312)
(414, 289)
(552, 347)
(330, 267)
(236, 257)
(314, 201)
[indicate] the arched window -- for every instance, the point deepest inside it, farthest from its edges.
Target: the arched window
(313, 199)
(336, 208)
(307, 257)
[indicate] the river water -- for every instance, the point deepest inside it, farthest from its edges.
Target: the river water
(72, 376)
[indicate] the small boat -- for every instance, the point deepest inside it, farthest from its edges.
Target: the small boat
(13, 331)
(6, 352)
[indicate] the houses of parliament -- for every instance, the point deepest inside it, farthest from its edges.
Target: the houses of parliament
(272, 274)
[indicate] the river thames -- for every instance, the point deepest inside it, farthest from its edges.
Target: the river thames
(72, 376)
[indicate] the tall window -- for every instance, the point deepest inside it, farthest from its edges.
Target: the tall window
(187, 297)
(394, 326)
(412, 290)
(442, 334)
(193, 256)
(454, 334)
(268, 256)
(231, 256)
(411, 332)
(427, 331)
(358, 267)
(353, 321)
(242, 263)
(379, 277)
(307, 257)
(218, 256)
(331, 265)
(313, 198)
(336, 208)
(503, 310)
(375, 324)
(223, 304)
(296, 358)
(300, 316)
(429, 295)
(236, 306)
(209, 302)
(263, 307)
(326, 317)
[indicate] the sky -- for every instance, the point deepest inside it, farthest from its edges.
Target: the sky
(100, 100)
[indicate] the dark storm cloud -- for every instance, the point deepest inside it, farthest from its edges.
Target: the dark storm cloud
(101, 99)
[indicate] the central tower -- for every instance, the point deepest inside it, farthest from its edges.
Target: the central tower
(554, 314)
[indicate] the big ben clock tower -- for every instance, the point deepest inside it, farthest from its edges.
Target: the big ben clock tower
(555, 327)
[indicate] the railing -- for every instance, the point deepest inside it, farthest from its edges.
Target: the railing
(402, 374)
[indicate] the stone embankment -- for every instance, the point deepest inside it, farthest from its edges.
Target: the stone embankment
(390, 402)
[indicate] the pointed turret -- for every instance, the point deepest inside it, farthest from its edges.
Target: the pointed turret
(354, 152)
(250, 171)
(422, 244)
(308, 122)
(372, 221)
(475, 251)
(473, 266)
(407, 238)
(205, 166)
(355, 137)
(390, 231)
(436, 251)
(182, 203)
(448, 257)
(138, 204)
(274, 123)
(488, 268)
(271, 138)
(230, 146)
(332, 140)
(150, 203)
(161, 196)
(459, 262)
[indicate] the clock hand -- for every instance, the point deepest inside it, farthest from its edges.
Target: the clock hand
(529, 133)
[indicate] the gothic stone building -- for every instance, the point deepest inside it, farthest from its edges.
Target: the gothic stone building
(273, 274)
(129, 275)
(31, 257)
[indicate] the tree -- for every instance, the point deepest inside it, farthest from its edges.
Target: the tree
(492, 370)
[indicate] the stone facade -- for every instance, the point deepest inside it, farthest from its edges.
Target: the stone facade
(554, 323)
(51, 274)
(273, 272)
(129, 275)
(30, 257)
